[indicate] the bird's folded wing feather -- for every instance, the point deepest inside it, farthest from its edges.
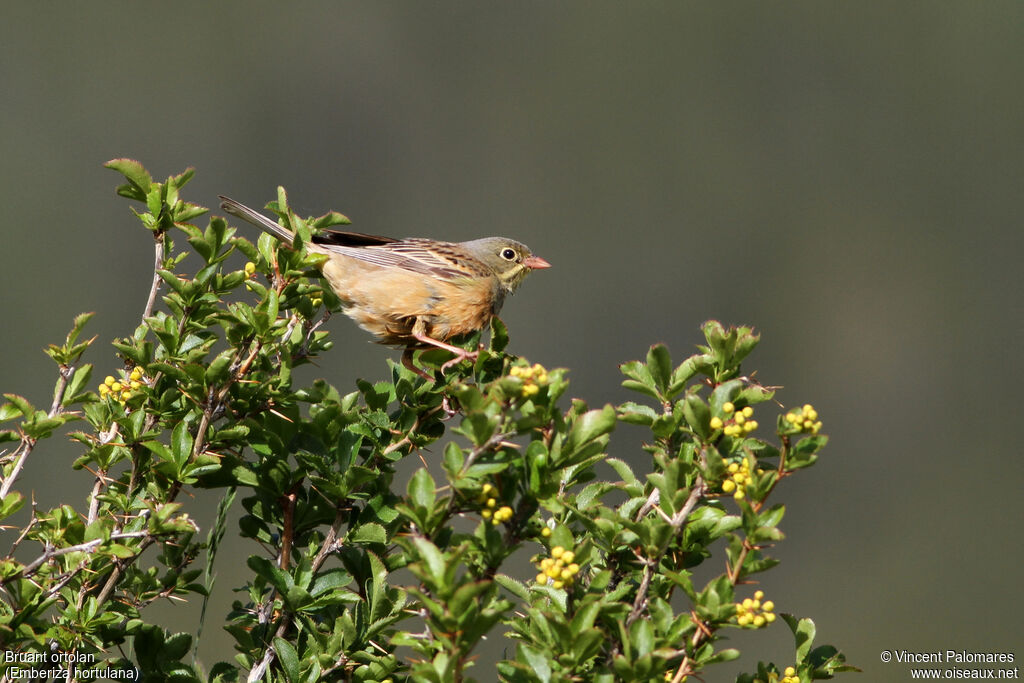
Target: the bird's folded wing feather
(435, 259)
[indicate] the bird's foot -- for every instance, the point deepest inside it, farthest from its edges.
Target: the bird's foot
(461, 355)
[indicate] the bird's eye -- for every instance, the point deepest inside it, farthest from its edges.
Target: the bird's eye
(508, 254)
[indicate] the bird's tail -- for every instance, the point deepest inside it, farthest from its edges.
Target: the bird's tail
(256, 218)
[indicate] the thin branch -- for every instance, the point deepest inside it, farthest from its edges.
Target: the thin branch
(329, 545)
(50, 552)
(678, 521)
(27, 442)
(158, 262)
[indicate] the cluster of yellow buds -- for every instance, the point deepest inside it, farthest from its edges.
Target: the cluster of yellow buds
(788, 676)
(755, 613)
(123, 389)
(558, 570)
(736, 422)
(738, 476)
(496, 515)
(533, 377)
(805, 419)
(250, 270)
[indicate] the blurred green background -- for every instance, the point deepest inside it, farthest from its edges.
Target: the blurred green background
(846, 177)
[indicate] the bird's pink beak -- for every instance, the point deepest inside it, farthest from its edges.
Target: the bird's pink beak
(536, 263)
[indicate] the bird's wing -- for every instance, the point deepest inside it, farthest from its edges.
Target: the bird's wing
(346, 238)
(442, 260)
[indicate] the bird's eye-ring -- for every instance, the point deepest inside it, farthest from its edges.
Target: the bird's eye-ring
(508, 254)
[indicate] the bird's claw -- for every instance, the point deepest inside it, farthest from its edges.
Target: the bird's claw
(460, 356)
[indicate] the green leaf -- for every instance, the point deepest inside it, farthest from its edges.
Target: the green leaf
(513, 586)
(698, 415)
(659, 364)
(421, 488)
(432, 560)
(640, 379)
(367, 533)
(804, 631)
(499, 335)
(623, 470)
(536, 660)
(11, 503)
(289, 659)
(219, 369)
(589, 426)
(18, 402)
(139, 180)
(181, 443)
(637, 414)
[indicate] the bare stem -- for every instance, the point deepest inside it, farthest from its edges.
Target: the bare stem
(329, 545)
(158, 261)
(50, 552)
(27, 442)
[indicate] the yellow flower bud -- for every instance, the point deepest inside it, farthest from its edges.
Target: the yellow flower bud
(542, 579)
(769, 617)
(557, 584)
(728, 486)
(109, 380)
(747, 411)
(716, 422)
(768, 606)
(758, 621)
(568, 556)
(557, 551)
(758, 595)
(739, 495)
(116, 386)
(545, 532)
(728, 407)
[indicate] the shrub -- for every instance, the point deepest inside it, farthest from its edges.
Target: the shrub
(351, 578)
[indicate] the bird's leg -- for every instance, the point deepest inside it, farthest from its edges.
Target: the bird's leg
(407, 362)
(419, 333)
